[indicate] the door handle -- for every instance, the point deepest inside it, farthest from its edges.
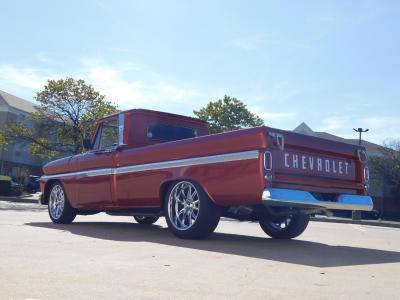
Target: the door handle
(103, 151)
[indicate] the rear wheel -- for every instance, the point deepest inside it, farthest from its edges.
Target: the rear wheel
(286, 227)
(189, 213)
(146, 219)
(60, 210)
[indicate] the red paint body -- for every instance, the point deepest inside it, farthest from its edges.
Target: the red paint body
(227, 183)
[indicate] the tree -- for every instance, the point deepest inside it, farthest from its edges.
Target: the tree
(3, 141)
(228, 114)
(387, 166)
(67, 111)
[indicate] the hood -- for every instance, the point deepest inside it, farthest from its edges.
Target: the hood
(61, 165)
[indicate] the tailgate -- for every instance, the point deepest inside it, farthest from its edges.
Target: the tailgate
(314, 164)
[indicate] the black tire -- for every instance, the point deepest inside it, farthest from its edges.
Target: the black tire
(66, 214)
(147, 220)
(206, 213)
(293, 228)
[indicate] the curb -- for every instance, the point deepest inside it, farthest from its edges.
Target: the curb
(359, 222)
(344, 221)
(19, 200)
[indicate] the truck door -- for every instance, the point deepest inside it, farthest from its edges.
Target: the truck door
(94, 168)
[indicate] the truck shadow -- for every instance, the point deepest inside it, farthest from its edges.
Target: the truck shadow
(290, 251)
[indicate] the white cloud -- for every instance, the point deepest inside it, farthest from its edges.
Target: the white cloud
(270, 116)
(251, 42)
(132, 93)
(381, 128)
(260, 40)
(151, 91)
(27, 77)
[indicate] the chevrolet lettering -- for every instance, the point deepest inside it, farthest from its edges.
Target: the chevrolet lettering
(149, 164)
(317, 164)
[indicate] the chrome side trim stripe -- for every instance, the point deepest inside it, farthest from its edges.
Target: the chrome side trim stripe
(212, 159)
(89, 173)
(190, 162)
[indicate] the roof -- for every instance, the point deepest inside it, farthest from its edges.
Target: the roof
(16, 102)
(167, 114)
(372, 149)
(303, 128)
(158, 113)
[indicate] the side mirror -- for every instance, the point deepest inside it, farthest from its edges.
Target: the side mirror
(87, 144)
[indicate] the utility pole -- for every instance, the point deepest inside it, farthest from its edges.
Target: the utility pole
(360, 131)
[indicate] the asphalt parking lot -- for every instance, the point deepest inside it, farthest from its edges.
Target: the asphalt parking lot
(104, 257)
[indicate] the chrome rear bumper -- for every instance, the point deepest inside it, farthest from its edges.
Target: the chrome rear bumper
(303, 199)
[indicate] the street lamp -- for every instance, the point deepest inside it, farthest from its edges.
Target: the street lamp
(360, 131)
(356, 215)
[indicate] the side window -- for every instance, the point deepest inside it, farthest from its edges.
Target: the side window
(168, 132)
(107, 136)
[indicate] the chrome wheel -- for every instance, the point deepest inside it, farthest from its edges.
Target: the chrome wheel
(183, 205)
(285, 227)
(56, 201)
(281, 224)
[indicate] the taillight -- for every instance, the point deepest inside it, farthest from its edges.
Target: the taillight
(268, 161)
(268, 165)
(366, 178)
(366, 174)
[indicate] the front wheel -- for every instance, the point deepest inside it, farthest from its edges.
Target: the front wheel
(146, 220)
(60, 210)
(286, 227)
(189, 213)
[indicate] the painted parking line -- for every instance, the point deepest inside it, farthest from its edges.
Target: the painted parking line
(358, 227)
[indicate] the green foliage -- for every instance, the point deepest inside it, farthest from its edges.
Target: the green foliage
(228, 114)
(3, 141)
(387, 166)
(67, 111)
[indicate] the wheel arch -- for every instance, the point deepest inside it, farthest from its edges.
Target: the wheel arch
(167, 183)
(47, 188)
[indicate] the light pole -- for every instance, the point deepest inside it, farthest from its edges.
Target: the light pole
(360, 131)
(356, 215)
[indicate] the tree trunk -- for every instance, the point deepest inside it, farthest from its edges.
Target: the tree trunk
(75, 137)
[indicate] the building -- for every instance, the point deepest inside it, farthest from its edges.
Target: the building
(16, 160)
(372, 149)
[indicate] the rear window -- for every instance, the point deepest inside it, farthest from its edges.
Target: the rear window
(168, 132)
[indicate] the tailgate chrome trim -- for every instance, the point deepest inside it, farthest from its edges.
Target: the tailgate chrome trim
(299, 198)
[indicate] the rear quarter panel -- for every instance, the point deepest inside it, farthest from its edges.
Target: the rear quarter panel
(227, 183)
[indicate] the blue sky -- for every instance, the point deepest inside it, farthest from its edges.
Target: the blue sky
(333, 64)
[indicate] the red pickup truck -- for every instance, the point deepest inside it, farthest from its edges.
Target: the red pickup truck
(148, 164)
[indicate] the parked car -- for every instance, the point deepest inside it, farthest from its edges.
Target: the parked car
(9, 186)
(5, 185)
(149, 164)
(33, 184)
